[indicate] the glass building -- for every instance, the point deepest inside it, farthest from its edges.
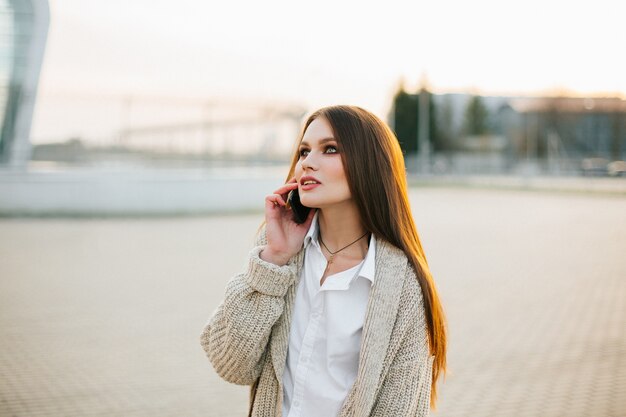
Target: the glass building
(23, 32)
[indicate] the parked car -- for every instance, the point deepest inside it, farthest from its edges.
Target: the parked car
(594, 166)
(617, 169)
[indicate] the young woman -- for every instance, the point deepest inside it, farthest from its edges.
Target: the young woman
(338, 315)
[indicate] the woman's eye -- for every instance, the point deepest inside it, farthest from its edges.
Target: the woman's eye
(333, 149)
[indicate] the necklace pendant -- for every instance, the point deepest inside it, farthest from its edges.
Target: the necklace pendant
(330, 261)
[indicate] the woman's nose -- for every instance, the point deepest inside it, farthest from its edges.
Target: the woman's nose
(309, 162)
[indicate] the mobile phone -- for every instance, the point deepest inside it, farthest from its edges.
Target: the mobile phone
(300, 212)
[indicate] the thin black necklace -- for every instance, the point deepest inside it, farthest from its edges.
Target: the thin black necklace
(332, 254)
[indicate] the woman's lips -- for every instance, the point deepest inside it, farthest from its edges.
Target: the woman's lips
(309, 186)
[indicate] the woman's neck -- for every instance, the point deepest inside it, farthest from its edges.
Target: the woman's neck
(341, 225)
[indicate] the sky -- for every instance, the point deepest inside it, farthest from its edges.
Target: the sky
(317, 53)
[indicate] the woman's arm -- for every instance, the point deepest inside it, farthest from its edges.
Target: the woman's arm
(236, 336)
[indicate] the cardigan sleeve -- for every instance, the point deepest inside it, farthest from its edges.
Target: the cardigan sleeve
(406, 387)
(236, 336)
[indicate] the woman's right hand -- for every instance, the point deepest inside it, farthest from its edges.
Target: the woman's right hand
(284, 235)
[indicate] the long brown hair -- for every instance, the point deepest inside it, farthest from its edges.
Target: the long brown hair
(374, 167)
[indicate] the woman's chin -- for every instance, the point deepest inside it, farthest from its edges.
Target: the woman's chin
(311, 203)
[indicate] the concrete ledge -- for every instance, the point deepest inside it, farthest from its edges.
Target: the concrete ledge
(582, 185)
(132, 192)
(141, 191)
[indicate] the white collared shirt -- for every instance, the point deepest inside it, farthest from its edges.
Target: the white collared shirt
(325, 334)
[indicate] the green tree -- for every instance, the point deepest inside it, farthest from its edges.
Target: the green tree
(476, 117)
(406, 121)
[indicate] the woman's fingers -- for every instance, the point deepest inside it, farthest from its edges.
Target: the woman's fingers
(286, 188)
(275, 199)
(280, 195)
(280, 200)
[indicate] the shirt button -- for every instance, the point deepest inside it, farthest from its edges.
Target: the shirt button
(296, 403)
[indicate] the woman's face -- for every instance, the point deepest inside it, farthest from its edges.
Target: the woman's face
(320, 159)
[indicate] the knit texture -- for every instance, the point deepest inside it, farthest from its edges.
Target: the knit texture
(246, 338)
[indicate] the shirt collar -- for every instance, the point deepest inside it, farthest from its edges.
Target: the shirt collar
(369, 266)
(312, 233)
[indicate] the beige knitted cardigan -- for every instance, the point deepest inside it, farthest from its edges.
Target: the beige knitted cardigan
(246, 338)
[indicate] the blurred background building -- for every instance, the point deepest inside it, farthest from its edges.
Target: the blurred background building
(475, 134)
(23, 32)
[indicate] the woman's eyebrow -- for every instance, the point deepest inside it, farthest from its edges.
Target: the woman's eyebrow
(330, 139)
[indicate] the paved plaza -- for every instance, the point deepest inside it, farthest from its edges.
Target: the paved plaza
(102, 317)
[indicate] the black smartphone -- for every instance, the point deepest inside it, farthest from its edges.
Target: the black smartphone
(300, 212)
